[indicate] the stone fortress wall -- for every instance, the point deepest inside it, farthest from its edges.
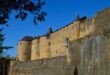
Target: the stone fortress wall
(87, 50)
(53, 44)
(24, 50)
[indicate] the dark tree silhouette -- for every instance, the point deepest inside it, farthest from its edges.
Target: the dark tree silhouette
(22, 7)
(1, 42)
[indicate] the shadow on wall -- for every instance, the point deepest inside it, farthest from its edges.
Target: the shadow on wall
(75, 71)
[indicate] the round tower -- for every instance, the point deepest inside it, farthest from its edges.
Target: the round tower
(35, 54)
(24, 49)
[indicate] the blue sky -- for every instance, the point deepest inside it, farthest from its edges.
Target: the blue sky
(59, 14)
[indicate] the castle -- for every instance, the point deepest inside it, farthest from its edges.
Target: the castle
(52, 44)
(79, 48)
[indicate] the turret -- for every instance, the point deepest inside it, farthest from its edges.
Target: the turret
(35, 53)
(50, 30)
(24, 49)
(45, 51)
(44, 47)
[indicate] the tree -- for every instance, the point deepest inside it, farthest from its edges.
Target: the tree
(22, 7)
(1, 43)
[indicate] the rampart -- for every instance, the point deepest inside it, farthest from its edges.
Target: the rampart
(80, 48)
(53, 44)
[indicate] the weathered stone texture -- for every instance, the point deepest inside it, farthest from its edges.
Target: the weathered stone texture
(54, 66)
(102, 22)
(35, 51)
(87, 52)
(90, 56)
(24, 51)
(44, 47)
(54, 45)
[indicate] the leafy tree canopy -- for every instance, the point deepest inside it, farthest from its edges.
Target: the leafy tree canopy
(22, 7)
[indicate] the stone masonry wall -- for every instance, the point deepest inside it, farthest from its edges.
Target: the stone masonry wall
(52, 66)
(88, 50)
(73, 32)
(35, 51)
(24, 51)
(55, 44)
(87, 55)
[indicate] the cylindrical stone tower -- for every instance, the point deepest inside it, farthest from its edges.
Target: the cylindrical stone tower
(24, 49)
(35, 53)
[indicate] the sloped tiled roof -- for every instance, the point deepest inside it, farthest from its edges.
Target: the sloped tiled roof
(27, 38)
